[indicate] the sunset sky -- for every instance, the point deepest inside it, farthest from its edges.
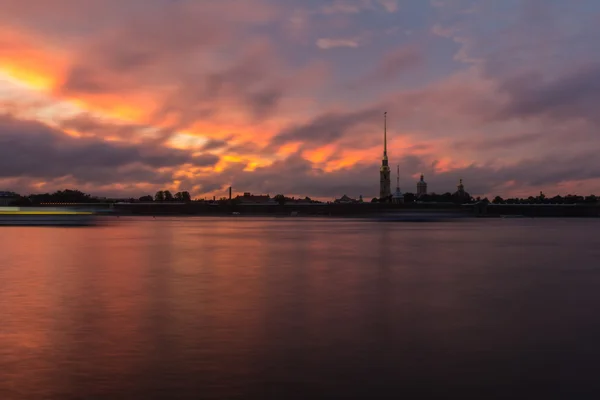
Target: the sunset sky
(126, 97)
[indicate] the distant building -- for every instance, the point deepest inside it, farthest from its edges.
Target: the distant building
(346, 200)
(301, 202)
(7, 198)
(461, 196)
(249, 198)
(398, 197)
(421, 187)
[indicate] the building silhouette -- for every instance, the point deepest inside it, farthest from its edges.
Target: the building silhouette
(249, 198)
(421, 187)
(397, 197)
(347, 200)
(384, 172)
(7, 198)
(461, 195)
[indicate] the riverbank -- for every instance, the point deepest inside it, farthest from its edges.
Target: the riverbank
(480, 209)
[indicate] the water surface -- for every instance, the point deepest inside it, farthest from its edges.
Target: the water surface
(286, 308)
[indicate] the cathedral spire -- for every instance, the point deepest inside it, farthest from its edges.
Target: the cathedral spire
(398, 178)
(384, 172)
(385, 134)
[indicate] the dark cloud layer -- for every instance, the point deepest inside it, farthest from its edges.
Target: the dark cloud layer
(504, 142)
(328, 128)
(32, 149)
(574, 94)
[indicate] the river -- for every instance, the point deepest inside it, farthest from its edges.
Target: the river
(294, 308)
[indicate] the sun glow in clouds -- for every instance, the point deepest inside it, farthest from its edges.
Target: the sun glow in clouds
(186, 141)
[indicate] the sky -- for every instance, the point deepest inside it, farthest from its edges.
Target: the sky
(127, 97)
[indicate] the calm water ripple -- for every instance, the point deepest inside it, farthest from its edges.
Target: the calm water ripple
(228, 308)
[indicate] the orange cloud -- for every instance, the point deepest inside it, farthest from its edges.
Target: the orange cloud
(288, 149)
(129, 98)
(30, 62)
(320, 154)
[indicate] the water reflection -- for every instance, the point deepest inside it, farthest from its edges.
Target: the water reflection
(291, 308)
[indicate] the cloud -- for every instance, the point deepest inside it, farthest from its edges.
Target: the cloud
(31, 149)
(328, 128)
(358, 6)
(63, 161)
(214, 144)
(572, 95)
(394, 64)
(398, 60)
(85, 124)
(342, 7)
(175, 88)
(126, 67)
(298, 176)
(390, 6)
(504, 142)
(328, 43)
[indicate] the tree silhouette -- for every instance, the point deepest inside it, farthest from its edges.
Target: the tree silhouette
(498, 200)
(159, 196)
(183, 196)
(168, 196)
(62, 196)
(279, 199)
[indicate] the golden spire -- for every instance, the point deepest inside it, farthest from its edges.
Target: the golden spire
(385, 134)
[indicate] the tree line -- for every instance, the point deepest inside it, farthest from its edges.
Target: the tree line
(165, 195)
(453, 198)
(60, 196)
(77, 196)
(542, 199)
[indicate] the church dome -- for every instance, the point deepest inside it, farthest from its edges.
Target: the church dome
(421, 187)
(461, 195)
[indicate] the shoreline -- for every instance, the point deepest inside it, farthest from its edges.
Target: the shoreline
(360, 210)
